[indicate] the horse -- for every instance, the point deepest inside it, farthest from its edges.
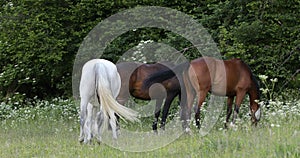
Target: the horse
(133, 75)
(231, 78)
(100, 79)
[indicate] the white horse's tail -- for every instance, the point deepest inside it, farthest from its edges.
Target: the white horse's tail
(108, 103)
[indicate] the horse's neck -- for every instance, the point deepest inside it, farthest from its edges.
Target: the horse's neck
(254, 91)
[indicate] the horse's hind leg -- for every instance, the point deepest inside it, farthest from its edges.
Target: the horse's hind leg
(113, 126)
(88, 124)
(99, 122)
(156, 114)
(186, 102)
(118, 128)
(229, 110)
(83, 114)
(201, 98)
(167, 105)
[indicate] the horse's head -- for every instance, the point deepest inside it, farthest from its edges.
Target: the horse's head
(255, 113)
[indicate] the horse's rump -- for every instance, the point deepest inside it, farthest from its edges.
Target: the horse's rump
(100, 78)
(137, 86)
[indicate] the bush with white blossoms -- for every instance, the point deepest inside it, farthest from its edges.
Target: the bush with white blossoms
(268, 87)
(274, 111)
(57, 110)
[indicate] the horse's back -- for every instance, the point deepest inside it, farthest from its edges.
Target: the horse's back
(147, 70)
(215, 74)
(126, 69)
(223, 77)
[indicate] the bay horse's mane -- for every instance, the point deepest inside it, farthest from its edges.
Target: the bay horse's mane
(254, 79)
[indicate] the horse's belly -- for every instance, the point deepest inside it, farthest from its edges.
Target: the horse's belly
(218, 90)
(137, 93)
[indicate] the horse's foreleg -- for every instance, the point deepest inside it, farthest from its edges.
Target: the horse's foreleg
(238, 101)
(229, 109)
(254, 106)
(156, 114)
(166, 109)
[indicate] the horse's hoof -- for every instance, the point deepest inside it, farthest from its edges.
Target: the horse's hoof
(118, 132)
(227, 125)
(99, 141)
(233, 126)
(87, 141)
(188, 131)
(80, 140)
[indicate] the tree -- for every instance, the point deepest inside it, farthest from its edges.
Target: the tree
(39, 39)
(36, 47)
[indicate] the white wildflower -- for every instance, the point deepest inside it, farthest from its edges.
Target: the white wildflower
(274, 80)
(263, 77)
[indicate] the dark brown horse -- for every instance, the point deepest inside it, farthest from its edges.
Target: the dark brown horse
(231, 78)
(132, 78)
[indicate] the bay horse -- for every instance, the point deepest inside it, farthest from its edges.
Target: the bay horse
(231, 78)
(133, 75)
(100, 79)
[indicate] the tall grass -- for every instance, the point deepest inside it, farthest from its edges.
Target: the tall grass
(51, 128)
(50, 139)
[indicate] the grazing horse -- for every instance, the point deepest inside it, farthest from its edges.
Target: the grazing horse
(100, 79)
(231, 78)
(132, 77)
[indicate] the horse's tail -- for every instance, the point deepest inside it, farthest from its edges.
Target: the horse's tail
(109, 105)
(161, 76)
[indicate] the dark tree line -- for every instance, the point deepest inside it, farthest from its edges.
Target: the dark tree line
(39, 39)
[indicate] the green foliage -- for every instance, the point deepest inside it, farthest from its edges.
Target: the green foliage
(263, 33)
(39, 39)
(35, 48)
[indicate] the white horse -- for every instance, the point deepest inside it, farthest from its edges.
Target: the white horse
(100, 78)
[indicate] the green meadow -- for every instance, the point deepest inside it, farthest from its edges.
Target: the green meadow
(51, 129)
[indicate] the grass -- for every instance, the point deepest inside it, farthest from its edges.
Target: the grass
(49, 139)
(52, 132)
